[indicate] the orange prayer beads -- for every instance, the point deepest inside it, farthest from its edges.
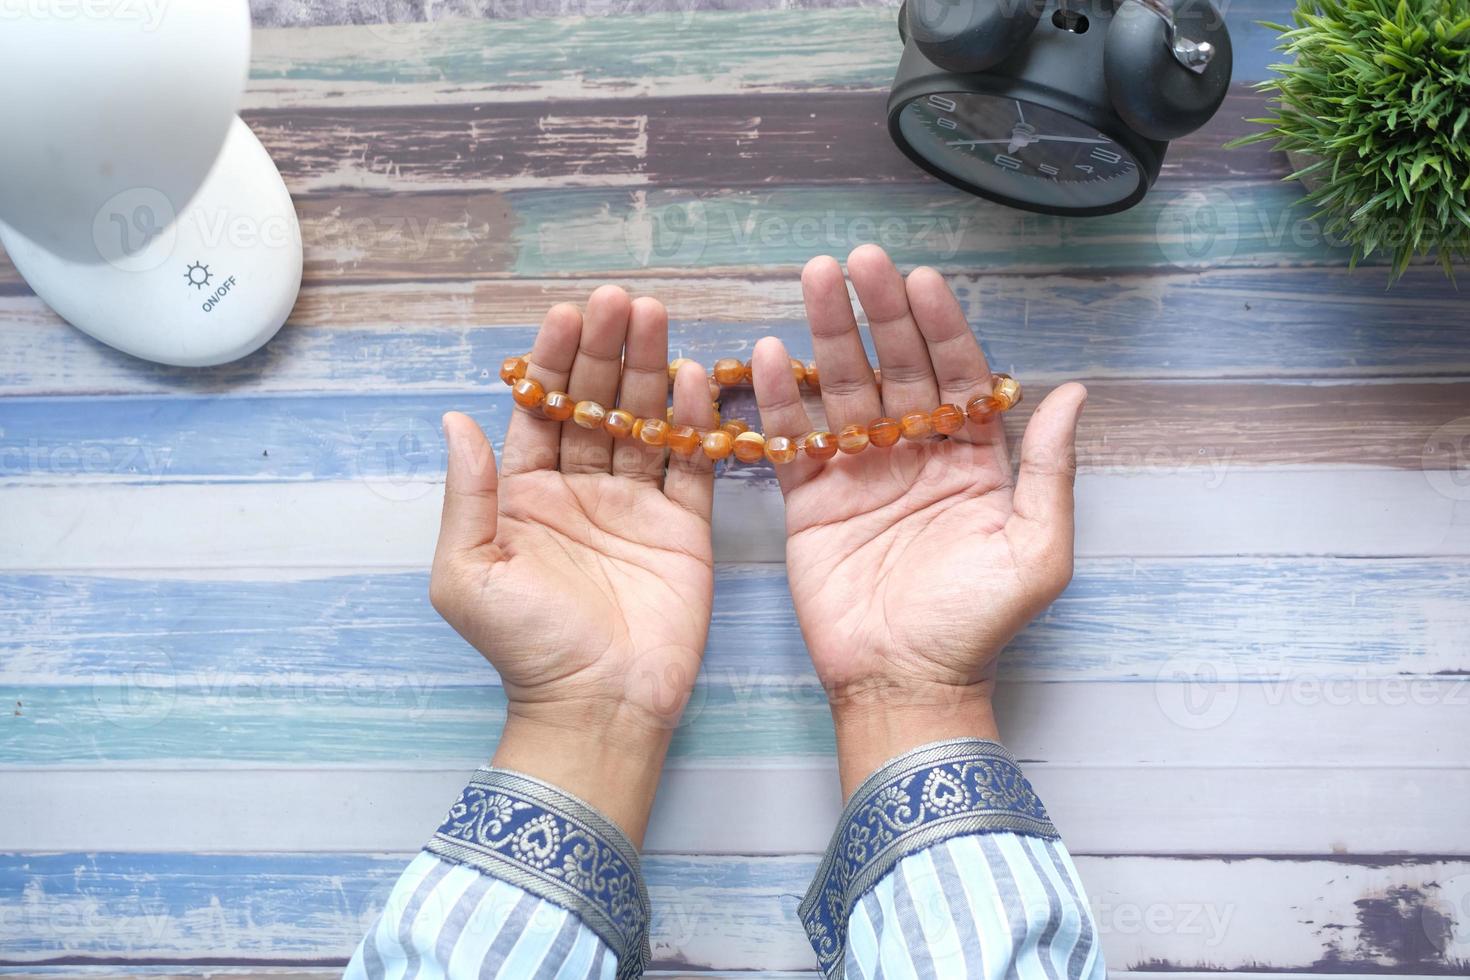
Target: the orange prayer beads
(733, 437)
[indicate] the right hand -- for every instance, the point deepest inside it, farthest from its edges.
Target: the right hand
(911, 567)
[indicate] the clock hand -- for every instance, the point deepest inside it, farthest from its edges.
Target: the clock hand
(1067, 139)
(974, 142)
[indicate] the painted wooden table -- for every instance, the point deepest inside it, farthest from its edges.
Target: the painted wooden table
(231, 714)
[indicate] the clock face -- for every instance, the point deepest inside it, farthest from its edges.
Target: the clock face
(1020, 150)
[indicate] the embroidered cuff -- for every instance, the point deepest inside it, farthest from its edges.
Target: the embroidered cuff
(532, 835)
(935, 792)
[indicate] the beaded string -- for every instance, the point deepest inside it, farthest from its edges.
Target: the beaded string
(733, 437)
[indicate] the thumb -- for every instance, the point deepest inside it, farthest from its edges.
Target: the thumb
(470, 485)
(1044, 486)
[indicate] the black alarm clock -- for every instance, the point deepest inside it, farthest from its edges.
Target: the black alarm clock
(1057, 106)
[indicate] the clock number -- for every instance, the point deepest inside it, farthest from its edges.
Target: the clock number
(1105, 156)
(1083, 167)
(1048, 169)
(947, 104)
(947, 123)
(1006, 162)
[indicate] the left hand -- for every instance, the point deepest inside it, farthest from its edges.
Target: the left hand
(583, 569)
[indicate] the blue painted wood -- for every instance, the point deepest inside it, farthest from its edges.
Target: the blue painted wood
(1119, 620)
(1237, 323)
(150, 715)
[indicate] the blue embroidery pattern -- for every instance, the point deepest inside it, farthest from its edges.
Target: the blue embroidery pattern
(532, 835)
(937, 791)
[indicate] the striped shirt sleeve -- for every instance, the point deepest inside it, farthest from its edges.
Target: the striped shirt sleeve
(521, 882)
(945, 864)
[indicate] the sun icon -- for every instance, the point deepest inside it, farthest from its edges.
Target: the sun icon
(198, 275)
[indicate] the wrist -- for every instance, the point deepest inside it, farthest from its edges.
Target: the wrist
(878, 725)
(608, 754)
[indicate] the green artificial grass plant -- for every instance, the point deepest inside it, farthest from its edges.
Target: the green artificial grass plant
(1376, 98)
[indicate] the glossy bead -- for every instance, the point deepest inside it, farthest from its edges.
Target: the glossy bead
(750, 447)
(653, 432)
(780, 449)
(884, 432)
(682, 439)
(717, 444)
(729, 371)
(1007, 392)
(669, 415)
(916, 426)
(714, 390)
(589, 415)
(747, 374)
(619, 423)
(558, 406)
(981, 408)
(853, 438)
(813, 378)
(513, 369)
(676, 364)
(947, 419)
(528, 392)
(798, 370)
(734, 427)
(820, 444)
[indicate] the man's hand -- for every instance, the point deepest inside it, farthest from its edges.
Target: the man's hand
(583, 571)
(912, 567)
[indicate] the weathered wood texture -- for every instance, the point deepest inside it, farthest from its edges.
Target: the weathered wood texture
(229, 711)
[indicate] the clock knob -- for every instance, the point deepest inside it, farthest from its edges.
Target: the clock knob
(969, 35)
(1158, 94)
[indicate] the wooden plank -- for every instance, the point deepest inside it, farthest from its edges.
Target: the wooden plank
(291, 530)
(728, 810)
(1267, 323)
(713, 142)
(1120, 619)
(166, 972)
(368, 236)
(1332, 915)
(688, 52)
(392, 440)
(1194, 713)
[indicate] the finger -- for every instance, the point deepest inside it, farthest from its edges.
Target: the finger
(782, 411)
(470, 498)
(533, 441)
(959, 363)
(645, 388)
(690, 480)
(908, 376)
(595, 373)
(1043, 496)
(849, 392)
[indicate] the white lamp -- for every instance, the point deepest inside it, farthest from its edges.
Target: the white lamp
(133, 200)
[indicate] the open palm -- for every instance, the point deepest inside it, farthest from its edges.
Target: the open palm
(583, 574)
(911, 567)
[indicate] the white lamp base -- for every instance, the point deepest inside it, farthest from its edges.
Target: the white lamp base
(206, 286)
